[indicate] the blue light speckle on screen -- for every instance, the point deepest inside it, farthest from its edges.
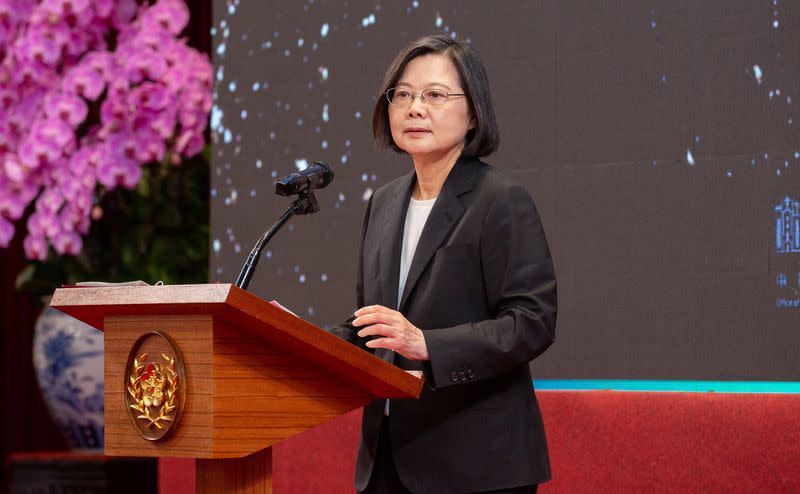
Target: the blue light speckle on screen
(301, 164)
(689, 157)
(368, 20)
(758, 73)
(216, 118)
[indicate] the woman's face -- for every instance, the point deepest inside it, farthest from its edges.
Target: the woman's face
(430, 132)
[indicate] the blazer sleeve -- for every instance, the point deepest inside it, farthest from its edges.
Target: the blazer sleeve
(346, 330)
(520, 284)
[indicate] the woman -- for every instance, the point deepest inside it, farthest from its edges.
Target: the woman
(455, 281)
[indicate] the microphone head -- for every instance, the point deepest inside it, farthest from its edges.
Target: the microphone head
(321, 176)
(317, 175)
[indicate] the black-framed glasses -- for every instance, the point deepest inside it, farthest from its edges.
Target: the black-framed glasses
(431, 97)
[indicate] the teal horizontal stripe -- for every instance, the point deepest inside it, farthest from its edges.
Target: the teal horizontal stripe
(674, 386)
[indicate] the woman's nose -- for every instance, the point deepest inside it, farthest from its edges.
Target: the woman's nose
(416, 107)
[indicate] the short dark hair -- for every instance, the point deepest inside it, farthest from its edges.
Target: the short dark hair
(482, 140)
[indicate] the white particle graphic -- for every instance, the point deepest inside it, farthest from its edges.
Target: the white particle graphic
(758, 73)
(367, 194)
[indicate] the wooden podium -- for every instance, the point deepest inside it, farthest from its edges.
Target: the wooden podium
(252, 375)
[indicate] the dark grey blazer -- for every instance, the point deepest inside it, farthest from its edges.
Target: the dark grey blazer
(482, 287)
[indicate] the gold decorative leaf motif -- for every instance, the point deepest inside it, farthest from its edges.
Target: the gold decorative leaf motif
(149, 385)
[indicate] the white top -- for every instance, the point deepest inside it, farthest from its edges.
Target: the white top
(416, 216)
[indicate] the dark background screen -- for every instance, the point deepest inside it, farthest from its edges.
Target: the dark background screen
(659, 139)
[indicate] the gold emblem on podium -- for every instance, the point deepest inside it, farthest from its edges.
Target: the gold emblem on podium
(155, 385)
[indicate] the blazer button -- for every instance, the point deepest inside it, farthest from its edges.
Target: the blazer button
(469, 374)
(453, 376)
(462, 376)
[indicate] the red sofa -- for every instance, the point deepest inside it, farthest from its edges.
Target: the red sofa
(600, 441)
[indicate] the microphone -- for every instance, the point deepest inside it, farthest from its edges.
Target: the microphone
(317, 175)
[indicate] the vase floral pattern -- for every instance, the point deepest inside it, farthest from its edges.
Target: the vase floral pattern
(68, 358)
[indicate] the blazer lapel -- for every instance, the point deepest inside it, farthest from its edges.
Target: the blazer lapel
(392, 242)
(445, 213)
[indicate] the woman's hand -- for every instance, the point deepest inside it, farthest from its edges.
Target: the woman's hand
(398, 334)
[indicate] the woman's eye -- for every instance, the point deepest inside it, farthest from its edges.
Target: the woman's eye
(436, 95)
(403, 94)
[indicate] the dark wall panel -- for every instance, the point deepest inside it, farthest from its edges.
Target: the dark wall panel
(656, 137)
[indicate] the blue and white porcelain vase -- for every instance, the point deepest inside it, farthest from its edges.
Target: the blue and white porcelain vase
(68, 359)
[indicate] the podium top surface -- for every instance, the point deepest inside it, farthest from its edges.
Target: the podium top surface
(248, 312)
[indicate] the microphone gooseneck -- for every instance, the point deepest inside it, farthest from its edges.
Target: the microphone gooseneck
(302, 184)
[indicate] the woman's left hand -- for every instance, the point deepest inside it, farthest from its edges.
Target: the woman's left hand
(398, 334)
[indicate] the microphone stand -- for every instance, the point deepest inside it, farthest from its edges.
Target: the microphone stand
(306, 203)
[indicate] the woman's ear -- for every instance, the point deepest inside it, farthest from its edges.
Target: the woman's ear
(472, 124)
